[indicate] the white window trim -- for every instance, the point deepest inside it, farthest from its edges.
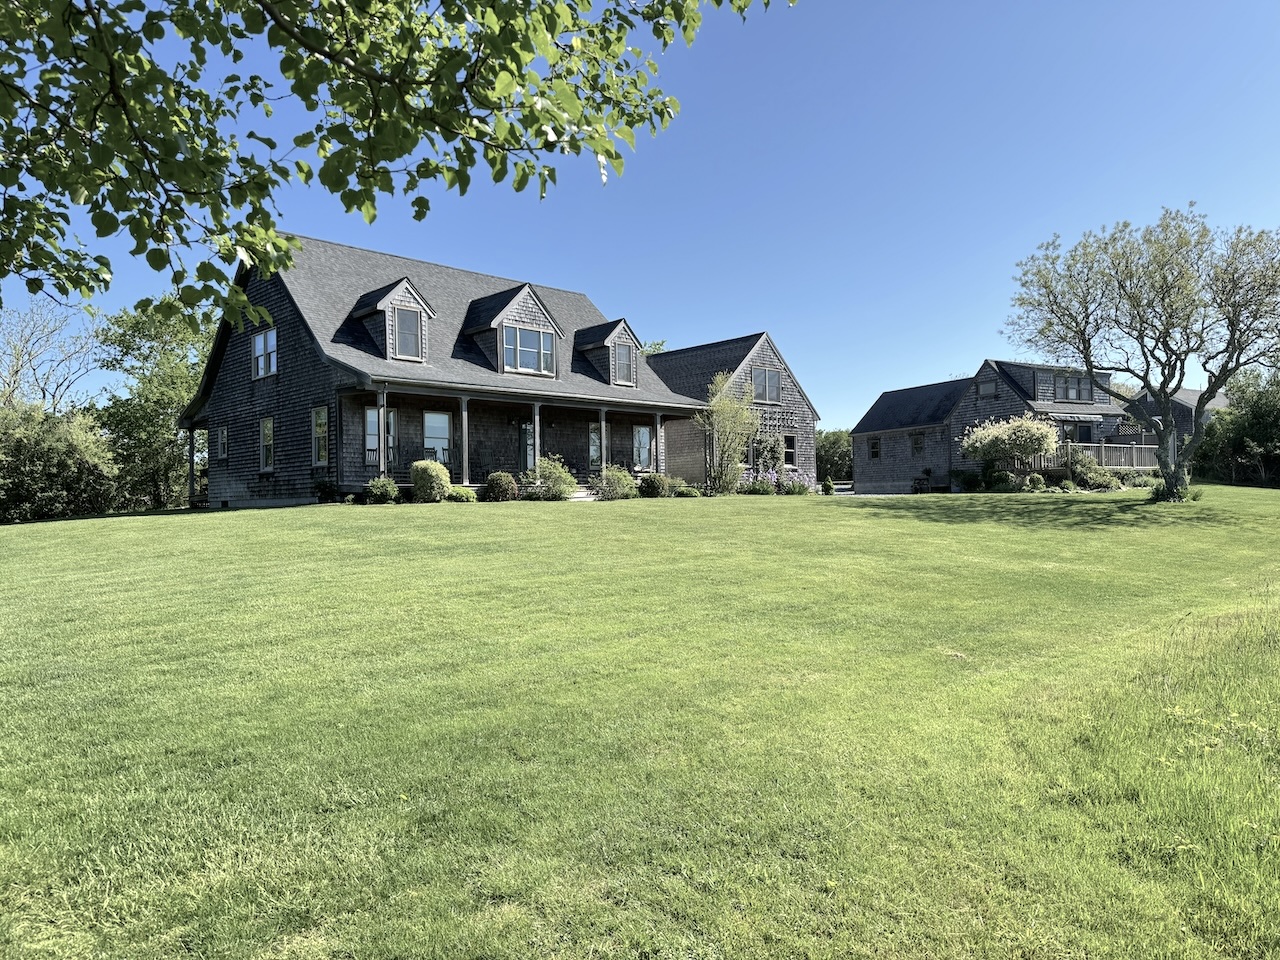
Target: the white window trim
(793, 452)
(266, 426)
(222, 443)
(268, 369)
(315, 436)
(529, 371)
(636, 448)
(629, 381)
(395, 327)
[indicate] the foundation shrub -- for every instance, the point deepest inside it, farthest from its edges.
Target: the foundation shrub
(431, 481)
(500, 487)
(654, 485)
(381, 490)
(613, 483)
(551, 481)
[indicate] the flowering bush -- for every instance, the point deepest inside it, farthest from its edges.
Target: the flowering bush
(1009, 441)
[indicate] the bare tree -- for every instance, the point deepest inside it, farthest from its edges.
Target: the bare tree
(730, 422)
(44, 357)
(1153, 305)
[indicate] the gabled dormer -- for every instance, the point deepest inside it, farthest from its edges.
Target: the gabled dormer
(397, 317)
(614, 350)
(516, 331)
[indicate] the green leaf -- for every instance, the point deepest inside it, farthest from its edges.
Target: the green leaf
(157, 259)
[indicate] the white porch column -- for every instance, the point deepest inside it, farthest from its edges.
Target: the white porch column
(466, 443)
(382, 431)
(657, 444)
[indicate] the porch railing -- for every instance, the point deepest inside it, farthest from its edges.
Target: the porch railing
(1113, 456)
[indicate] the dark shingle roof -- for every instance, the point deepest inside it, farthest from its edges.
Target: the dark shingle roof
(913, 407)
(328, 279)
(689, 370)
(1191, 397)
(590, 337)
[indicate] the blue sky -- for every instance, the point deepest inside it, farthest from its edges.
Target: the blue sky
(861, 178)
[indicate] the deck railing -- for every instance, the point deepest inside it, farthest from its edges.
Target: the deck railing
(1113, 456)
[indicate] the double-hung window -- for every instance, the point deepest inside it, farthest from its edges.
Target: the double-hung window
(408, 334)
(917, 444)
(319, 436)
(873, 448)
(264, 353)
(766, 385)
(624, 359)
(222, 443)
(266, 444)
(528, 351)
(788, 450)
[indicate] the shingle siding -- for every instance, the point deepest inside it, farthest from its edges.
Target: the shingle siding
(898, 468)
(239, 402)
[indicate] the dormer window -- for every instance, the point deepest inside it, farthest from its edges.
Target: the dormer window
(264, 353)
(526, 350)
(624, 363)
(408, 334)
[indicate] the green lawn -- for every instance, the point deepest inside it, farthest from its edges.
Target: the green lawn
(1031, 726)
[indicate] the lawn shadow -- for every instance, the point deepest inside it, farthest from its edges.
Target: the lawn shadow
(1035, 510)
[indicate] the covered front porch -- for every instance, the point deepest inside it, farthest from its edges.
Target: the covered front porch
(383, 431)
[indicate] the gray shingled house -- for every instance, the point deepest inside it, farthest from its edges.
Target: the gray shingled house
(754, 364)
(374, 361)
(910, 439)
(1185, 402)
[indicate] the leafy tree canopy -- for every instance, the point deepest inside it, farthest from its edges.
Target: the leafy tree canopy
(1013, 441)
(1152, 305)
(834, 452)
(168, 122)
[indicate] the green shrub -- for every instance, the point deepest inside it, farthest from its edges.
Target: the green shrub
(1035, 482)
(1142, 480)
(654, 485)
(349, 499)
(326, 491)
(760, 486)
(1195, 493)
(381, 490)
(687, 491)
(551, 481)
(460, 495)
(970, 481)
(500, 487)
(431, 481)
(1086, 472)
(828, 488)
(613, 483)
(1068, 486)
(1002, 481)
(794, 488)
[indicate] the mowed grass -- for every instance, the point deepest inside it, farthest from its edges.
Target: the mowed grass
(751, 727)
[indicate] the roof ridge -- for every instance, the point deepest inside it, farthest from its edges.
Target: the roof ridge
(438, 265)
(713, 343)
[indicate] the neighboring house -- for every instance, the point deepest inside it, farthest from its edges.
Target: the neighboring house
(910, 439)
(373, 361)
(754, 365)
(1184, 408)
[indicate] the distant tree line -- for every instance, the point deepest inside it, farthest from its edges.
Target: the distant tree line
(1242, 442)
(65, 451)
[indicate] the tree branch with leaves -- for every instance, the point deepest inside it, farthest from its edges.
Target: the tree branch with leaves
(156, 120)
